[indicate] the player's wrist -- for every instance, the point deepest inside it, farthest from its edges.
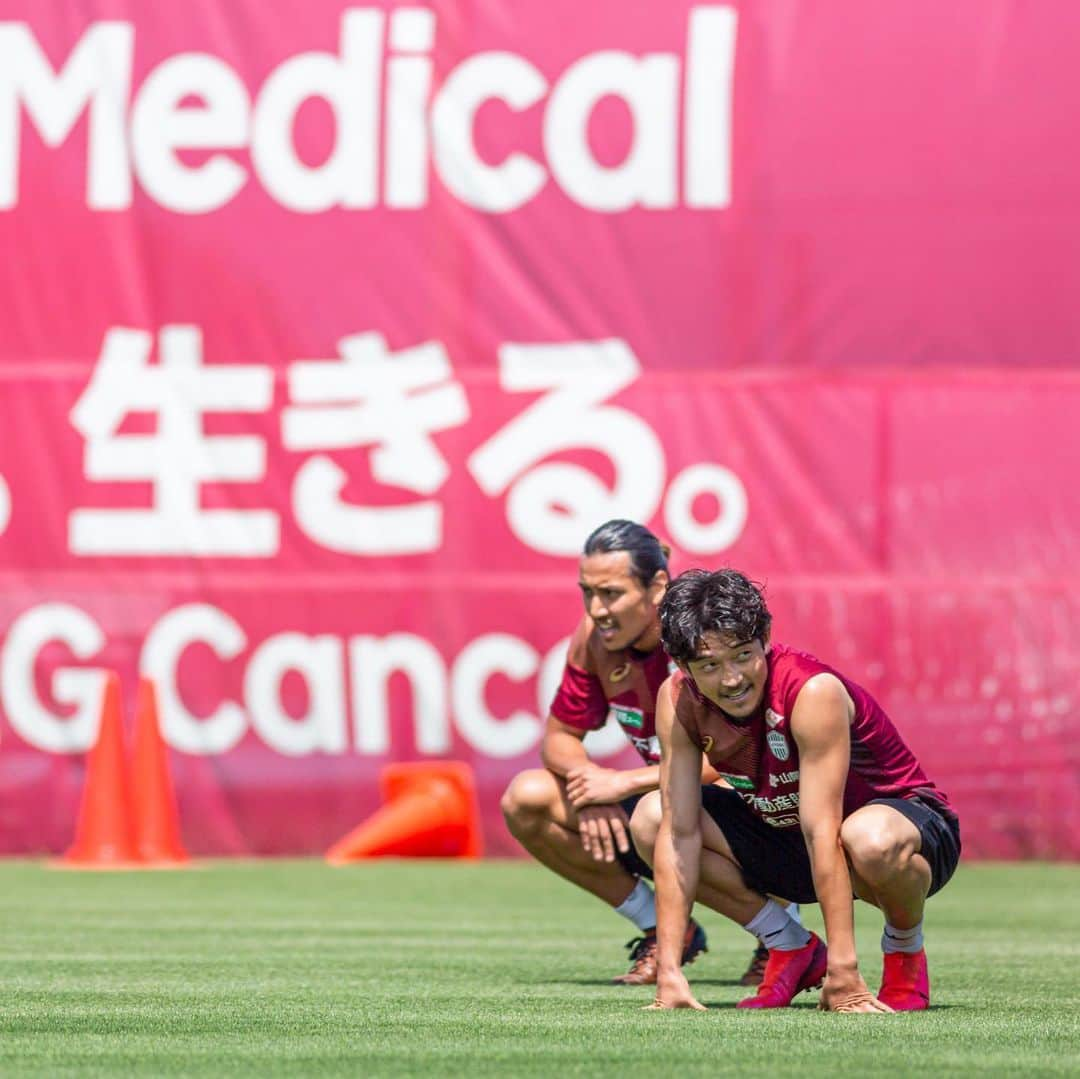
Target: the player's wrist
(842, 966)
(641, 781)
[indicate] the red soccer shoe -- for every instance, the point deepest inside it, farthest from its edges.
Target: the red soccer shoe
(905, 982)
(788, 974)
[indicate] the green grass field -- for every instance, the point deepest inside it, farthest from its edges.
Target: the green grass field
(395, 968)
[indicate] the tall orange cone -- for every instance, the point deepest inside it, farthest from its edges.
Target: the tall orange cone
(157, 820)
(429, 811)
(104, 836)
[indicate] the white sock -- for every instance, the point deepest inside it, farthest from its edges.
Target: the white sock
(902, 940)
(775, 928)
(640, 907)
(793, 913)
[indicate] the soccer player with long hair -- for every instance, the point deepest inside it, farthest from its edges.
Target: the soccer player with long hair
(573, 815)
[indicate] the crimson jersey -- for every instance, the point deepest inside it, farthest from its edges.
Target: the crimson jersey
(626, 682)
(759, 757)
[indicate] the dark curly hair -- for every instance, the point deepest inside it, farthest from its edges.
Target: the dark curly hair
(724, 601)
(647, 554)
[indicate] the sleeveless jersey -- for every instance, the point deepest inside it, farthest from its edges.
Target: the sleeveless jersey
(759, 757)
(596, 682)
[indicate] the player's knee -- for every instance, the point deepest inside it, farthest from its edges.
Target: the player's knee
(873, 847)
(645, 825)
(525, 800)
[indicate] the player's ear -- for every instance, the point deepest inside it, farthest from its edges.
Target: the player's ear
(765, 639)
(658, 586)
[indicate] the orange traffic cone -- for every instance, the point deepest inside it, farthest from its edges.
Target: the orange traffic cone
(429, 811)
(104, 838)
(157, 821)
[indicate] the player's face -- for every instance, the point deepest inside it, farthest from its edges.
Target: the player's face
(624, 609)
(731, 673)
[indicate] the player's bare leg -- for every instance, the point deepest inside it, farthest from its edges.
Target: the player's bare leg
(541, 819)
(887, 870)
(797, 958)
(882, 847)
(645, 826)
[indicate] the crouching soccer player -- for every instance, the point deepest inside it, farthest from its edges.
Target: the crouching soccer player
(827, 800)
(574, 815)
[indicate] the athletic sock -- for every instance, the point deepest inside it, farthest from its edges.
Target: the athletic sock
(775, 928)
(902, 940)
(793, 913)
(640, 907)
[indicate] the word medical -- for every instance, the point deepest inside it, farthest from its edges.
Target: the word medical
(417, 125)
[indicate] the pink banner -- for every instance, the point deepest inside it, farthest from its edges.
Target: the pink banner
(327, 337)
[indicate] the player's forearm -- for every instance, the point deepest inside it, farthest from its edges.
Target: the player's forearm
(832, 882)
(677, 860)
(640, 780)
(561, 752)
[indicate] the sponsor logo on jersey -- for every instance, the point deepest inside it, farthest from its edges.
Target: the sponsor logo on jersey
(776, 780)
(781, 822)
(631, 718)
(740, 783)
(649, 748)
(778, 746)
(774, 719)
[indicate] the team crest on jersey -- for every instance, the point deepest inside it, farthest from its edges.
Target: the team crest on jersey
(617, 674)
(774, 719)
(707, 745)
(629, 718)
(778, 746)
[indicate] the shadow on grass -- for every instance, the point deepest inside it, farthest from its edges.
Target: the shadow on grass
(715, 983)
(723, 983)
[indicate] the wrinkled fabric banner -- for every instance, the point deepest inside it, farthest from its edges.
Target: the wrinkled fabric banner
(326, 336)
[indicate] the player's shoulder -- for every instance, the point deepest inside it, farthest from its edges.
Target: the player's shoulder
(666, 690)
(788, 664)
(793, 672)
(682, 692)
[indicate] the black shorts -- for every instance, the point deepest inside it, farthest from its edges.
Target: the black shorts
(631, 861)
(773, 860)
(776, 861)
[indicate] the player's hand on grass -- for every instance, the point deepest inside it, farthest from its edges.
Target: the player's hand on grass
(589, 784)
(673, 991)
(847, 992)
(604, 830)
